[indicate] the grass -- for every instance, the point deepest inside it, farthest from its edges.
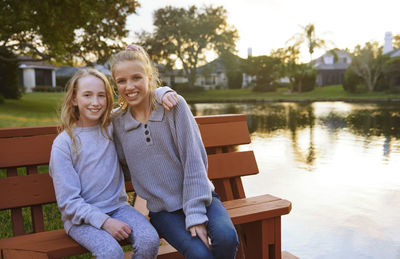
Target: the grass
(334, 92)
(35, 109)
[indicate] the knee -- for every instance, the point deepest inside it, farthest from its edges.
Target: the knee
(111, 251)
(225, 243)
(147, 245)
(199, 252)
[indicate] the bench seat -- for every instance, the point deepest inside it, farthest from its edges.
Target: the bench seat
(56, 243)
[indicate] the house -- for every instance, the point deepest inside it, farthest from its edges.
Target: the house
(331, 67)
(34, 73)
(393, 53)
(64, 73)
(212, 75)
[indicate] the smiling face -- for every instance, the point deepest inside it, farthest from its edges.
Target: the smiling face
(133, 83)
(91, 100)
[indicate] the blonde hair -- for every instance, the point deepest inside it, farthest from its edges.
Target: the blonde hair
(70, 113)
(132, 54)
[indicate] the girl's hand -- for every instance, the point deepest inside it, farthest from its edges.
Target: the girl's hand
(170, 100)
(201, 232)
(118, 229)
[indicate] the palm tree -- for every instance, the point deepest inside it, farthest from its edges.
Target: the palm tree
(308, 35)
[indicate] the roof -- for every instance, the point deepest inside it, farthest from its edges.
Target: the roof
(335, 66)
(29, 62)
(394, 53)
(69, 71)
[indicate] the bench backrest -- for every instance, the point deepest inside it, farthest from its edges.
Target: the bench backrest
(30, 147)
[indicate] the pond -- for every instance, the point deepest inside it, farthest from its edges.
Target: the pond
(339, 165)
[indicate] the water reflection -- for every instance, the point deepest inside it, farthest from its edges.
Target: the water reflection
(366, 120)
(339, 165)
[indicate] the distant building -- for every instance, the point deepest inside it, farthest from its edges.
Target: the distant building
(212, 75)
(34, 73)
(388, 46)
(331, 67)
(394, 80)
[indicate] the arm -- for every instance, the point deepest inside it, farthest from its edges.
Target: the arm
(67, 187)
(196, 186)
(166, 96)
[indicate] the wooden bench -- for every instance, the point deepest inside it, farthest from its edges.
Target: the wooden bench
(257, 219)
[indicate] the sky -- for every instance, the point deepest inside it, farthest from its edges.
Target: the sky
(264, 25)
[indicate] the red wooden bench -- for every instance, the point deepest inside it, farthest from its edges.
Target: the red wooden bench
(258, 219)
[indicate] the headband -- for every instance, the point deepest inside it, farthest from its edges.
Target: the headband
(132, 47)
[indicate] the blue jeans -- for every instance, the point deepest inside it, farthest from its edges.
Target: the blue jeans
(224, 240)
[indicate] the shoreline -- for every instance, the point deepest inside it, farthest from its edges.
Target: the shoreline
(349, 100)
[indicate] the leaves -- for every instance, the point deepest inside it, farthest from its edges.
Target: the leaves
(64, 30)
(185, 35)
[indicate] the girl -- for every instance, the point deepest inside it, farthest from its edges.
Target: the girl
(169, 165)
(87, 178)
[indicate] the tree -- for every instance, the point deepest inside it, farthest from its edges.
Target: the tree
(309, 36)
(396, 43)
(185, 35)
(368, 63)
(266, 70)
(59, 30)
(233, 65)
(83, 31)
(301, 76)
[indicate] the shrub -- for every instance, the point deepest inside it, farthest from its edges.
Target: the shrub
(47, 88)
(185, 88)
(351, 82)
(305, 80)
(2, 99)
(9, 76)
(265, 87)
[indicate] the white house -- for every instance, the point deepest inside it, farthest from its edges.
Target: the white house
(388, 46)
(331, 67)
(35, 73)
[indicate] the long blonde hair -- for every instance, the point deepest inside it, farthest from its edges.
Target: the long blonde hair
(132, 53)
(70, 113)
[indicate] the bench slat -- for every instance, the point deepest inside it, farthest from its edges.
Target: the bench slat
(21, 191)
(227, 165)
(225, 134)
(259, 211)
(23, 151)
(28, 131)
(210, 119)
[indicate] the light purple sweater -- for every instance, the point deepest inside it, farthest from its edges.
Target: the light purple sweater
(90, 183)
(167, 160)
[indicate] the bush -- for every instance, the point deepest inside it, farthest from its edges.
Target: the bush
(47, 88)
(2, 99)
(62, 80)
(9, 76)
(352, 83)
(308, 81)
(185, 88)
(265, 87)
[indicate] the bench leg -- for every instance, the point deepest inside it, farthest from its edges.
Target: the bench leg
(22, 254)
(263, 239)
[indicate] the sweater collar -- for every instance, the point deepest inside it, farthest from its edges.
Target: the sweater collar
(130, 123)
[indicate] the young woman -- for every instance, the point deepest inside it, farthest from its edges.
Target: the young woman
(87, 177)
(168, 163)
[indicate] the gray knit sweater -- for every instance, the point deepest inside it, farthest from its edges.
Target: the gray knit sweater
(88, 184)
(167, 160)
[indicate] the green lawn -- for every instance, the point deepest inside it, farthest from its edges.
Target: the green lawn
(35, 109)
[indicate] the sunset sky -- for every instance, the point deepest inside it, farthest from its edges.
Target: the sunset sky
(266, 25)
